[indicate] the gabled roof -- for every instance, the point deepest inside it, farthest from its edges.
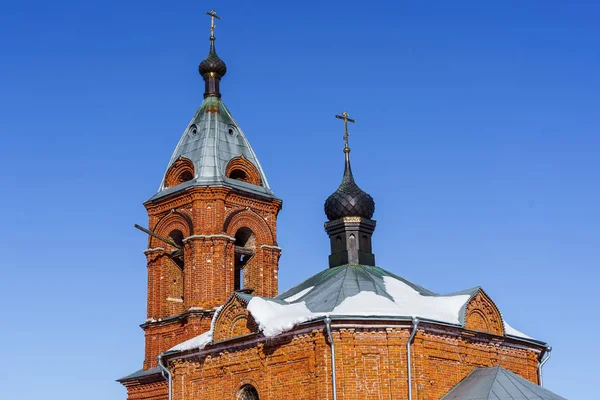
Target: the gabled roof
(210, 141)
(497, 383)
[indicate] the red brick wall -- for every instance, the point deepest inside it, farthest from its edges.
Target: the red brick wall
(209, 219)
(371, 363)
(148, 391)
(161, 336)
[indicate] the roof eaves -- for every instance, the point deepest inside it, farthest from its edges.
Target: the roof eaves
(141, 373)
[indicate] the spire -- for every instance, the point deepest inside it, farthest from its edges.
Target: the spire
(349, 210)
(212, 68)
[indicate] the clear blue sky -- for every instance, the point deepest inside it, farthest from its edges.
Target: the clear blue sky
(478, 135)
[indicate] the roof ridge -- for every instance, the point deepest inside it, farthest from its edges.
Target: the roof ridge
(493, 380)
(337, 298)
(384, 289)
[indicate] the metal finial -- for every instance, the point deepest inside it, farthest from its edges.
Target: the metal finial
(212, 14)
(345, 116)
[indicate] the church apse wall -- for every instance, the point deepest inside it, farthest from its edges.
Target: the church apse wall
(371, 363)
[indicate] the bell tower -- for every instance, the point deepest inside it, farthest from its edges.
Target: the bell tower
(212, 223)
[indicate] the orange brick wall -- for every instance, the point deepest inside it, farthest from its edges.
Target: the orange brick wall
(209, 219)
(371, 363)
(148, 391)
(161, 336)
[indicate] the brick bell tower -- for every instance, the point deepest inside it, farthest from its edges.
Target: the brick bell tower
(212, 224)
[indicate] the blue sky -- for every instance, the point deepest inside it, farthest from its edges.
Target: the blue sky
(478, 134)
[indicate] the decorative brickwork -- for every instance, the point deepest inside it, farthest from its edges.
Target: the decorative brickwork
(233, 321)
(371, 363)
(482, 315)
(242, 169)
(154, 390)
(180, 171)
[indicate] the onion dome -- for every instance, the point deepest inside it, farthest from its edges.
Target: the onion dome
(349, 200)
(212, 69)
(212, 63)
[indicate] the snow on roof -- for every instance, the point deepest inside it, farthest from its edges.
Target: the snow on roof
(510, 331)
(199, 342)
(274, 318)
(298, 295)
(351, 290)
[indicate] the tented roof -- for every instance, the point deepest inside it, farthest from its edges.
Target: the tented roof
(210, 141)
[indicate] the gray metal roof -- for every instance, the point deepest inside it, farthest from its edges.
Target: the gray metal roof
(497, 383)
(210, 141)
(333, 285)
(140, 374)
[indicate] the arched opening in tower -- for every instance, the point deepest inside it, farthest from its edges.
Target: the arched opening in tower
(245, 248)
(239, 175)
(248, 392)
(177, 255)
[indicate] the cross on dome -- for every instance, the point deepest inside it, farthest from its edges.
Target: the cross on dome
(212, 14)
(345, 116)
(348, 200)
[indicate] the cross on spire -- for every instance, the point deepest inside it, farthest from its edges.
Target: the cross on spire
(212, 14)
(345, 116)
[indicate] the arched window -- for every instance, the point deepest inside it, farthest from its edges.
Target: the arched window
(182, 170)
(248, 392)
(241, 169)
(245, 247)
(337, 245)
(185, 176)
(177, 255)
(366, 244)
(239, 175)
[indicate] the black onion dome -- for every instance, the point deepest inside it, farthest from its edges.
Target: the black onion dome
(212, 63)
(349, 200)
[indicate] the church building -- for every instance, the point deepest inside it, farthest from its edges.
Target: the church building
(217, 327)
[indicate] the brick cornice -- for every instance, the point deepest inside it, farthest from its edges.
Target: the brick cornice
(176, 319)
(187, 196)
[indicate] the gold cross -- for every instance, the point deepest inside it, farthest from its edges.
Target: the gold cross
(212, 14)
(345, 116)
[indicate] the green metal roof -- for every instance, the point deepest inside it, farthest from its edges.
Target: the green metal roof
(333, 285)
(210, 141)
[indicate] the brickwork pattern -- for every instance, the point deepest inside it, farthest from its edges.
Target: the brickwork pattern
(180, 171)
(147, 390)
(234, 320)
(371, 363)
(482, 315)
(249, 171)
(161, 336)
(208, 218)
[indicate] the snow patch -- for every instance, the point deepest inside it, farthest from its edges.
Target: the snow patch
(412, 303)
(298, 295)
(365, 304)
(274, 318)
(513, 332)
(199, 342)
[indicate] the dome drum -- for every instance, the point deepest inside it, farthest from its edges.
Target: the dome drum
(350, 239)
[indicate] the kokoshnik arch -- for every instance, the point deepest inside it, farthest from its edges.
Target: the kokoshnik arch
(216, 327)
